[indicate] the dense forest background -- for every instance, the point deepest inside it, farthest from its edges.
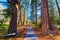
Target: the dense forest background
(41, 14)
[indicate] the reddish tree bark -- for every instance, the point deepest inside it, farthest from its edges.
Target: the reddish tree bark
(45, 17)
(13, 22)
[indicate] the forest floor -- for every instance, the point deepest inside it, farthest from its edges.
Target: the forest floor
(20, 37)
(48, 37)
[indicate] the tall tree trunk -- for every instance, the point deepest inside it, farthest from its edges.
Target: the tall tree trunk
(45, 17)
(27, 16)
(19, 20)
(58, 7)
(13, 22)
(51, 19)
(24, 17)
(32, 12)
(36, 10)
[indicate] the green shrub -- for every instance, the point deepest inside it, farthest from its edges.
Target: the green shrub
(57, 20)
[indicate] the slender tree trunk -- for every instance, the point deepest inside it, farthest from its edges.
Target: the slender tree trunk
(58, 7)
(45, 17)
(24, 17)
(13, 22)
(36, 10)
(32, 12)
(51, 21)
(19, 20)
(27, 15)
